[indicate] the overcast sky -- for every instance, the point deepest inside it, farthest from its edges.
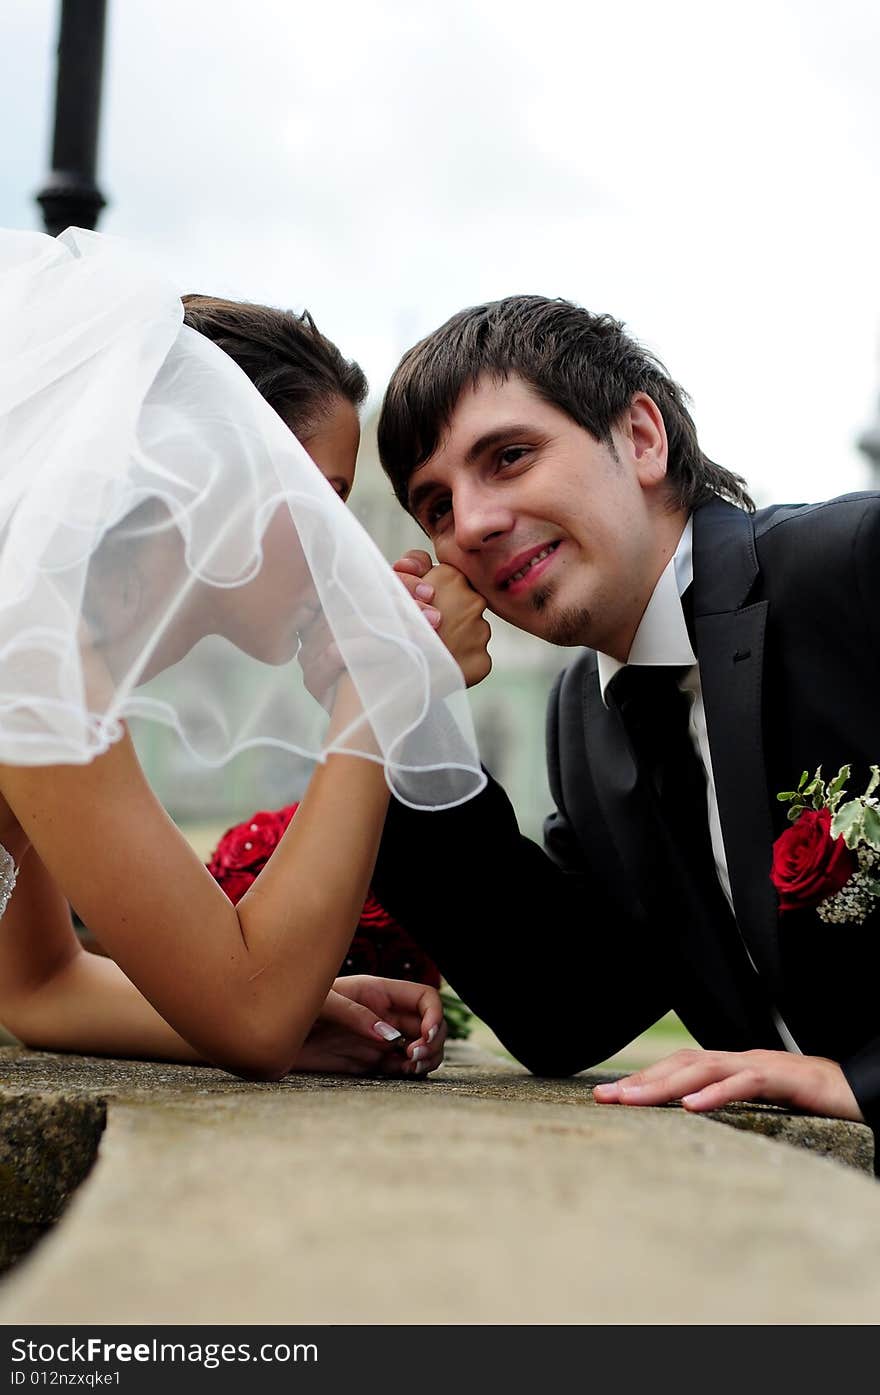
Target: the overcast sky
(713, 179)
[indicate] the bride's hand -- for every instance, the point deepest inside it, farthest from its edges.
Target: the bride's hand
(445, 591)
(320, 659)
(344, 1037)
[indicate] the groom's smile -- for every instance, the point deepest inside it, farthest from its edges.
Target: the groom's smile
(517, 576)
(553, 527)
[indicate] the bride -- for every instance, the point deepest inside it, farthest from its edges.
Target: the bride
(170, 553)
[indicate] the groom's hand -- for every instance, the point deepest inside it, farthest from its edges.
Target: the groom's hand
(443, 590)
(711, 1079)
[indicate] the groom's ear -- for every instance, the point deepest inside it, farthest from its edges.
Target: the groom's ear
(643, 438)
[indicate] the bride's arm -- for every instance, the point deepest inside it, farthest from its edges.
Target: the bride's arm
(56, 996)
(242, 985)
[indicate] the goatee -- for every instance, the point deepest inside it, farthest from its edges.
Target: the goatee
(568, 627)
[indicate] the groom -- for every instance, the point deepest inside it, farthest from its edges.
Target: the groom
(552, 462)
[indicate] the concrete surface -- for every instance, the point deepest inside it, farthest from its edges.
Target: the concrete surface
(481, 1196)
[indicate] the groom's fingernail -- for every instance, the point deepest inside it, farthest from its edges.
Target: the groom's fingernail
(386, 1031)
(433, 616)
(424, 591)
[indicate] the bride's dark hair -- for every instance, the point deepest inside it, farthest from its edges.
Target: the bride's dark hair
(298, 370)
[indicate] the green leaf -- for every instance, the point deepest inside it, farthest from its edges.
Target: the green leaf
(847, 822)
(815, 790)
(785, 795)
(871, 884)
(871, 826)
(835, 789)
(803, 780)
(874, 781)
(459, 1018)
(795, 812)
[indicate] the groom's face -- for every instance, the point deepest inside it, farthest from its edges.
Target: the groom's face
(556, 529)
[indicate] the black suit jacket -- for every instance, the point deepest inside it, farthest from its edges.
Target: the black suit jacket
(571, 950)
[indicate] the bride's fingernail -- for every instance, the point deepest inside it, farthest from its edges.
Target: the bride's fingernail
(424, 591)
(431, 1035)
(386, 1031)
(416, 1053)
(421, 1067)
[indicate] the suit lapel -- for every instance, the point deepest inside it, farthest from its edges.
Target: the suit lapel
(730, 648)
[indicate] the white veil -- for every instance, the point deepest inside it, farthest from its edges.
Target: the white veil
(165, 540)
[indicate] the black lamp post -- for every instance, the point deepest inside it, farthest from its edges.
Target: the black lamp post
(71, 196)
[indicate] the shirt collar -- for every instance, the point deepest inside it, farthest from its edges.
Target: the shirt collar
(662, 637)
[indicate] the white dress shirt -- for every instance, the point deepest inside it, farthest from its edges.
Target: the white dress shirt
(662, 639)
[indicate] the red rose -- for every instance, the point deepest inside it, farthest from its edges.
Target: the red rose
(374, 914)
(808, 864)
(380, 945)
(235, 884)
(249, 842)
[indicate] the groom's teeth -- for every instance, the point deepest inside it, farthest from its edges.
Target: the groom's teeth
(538, 557)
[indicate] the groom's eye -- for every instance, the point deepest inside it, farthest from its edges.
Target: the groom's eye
(435, 512)
(511, 455)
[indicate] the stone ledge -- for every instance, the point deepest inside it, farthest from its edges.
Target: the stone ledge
(845, 1142)
(323, 1199)
(48, 1144)
(476, 1071)
(851, 1144)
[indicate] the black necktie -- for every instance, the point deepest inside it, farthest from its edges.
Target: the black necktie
(656, 714)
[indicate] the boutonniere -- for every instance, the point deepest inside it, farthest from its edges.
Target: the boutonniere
(829, 859)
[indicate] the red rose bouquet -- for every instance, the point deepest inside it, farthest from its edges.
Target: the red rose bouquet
(830, 857)
(380, 946)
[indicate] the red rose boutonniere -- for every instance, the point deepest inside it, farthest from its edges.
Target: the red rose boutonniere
(380, 945)
(829, 859)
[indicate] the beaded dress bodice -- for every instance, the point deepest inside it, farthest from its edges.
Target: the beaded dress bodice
(8, 874)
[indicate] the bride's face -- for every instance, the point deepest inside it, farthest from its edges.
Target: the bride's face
(333, 445)
(252, 614)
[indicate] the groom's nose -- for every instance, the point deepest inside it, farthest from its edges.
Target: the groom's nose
(479, 515)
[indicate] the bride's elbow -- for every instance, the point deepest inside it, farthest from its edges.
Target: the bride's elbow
(252, 1064)
(260, 1068)
(258, 1052)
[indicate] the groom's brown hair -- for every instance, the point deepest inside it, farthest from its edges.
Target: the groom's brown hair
(585, 364)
